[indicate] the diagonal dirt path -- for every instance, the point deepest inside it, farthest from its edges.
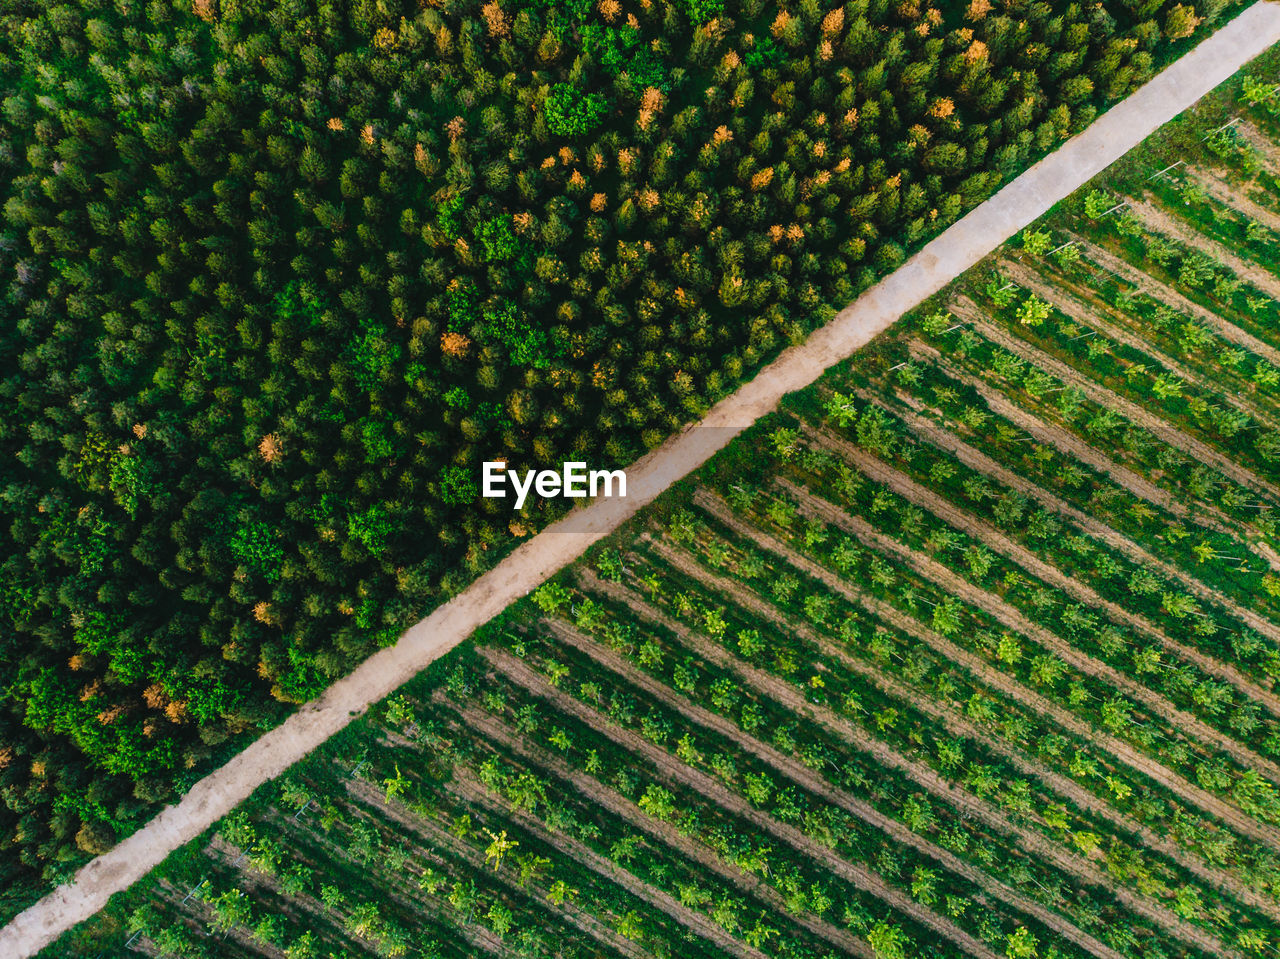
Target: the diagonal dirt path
(957, 248)
(951, 719)
(1089, 316)
(982, 530)
(1014, 619)
(1163, 293)
(674, 771)
(1156, 425)
(911, 413)
(806, 777)
(1001, 682)
(1158, 220)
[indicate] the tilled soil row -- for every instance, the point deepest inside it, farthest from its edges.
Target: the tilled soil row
(1157, 220)
(1033, 843)
(794, 770)
(434, 833)
(676, 772)
(980, 529)
(1139, 415)
(1068, 443)
(1089, 316)
(951, 719)
(667, 834)
(467, 787)
(911, 412)
(1215, 184)
(1163, 293)
(1013, 619)
(1009, 687)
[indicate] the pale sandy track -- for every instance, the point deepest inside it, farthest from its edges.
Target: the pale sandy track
(959, 247)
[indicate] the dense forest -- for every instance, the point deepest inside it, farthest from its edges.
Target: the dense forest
(281, 275)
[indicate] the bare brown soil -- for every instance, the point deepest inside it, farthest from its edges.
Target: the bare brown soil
(1268, 152)
(1012, 618)
(1159, 427)
(1228, 194)
(955, 723)
(980, 529)
(1158, 220)
(1171, 297)
(801, 774)
(674, 771)
(911, 413)
(440, 837)
(1007, 686)
(1090, 317)
(691, 849)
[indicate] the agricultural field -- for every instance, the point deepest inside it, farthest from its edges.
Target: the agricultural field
(969, 650)
(280, 275)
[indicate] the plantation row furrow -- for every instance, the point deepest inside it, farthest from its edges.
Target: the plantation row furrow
(1136, 414)
(1229, 368)
(1071, 445)
(911, 412)
(1217, 703)
(515, 797)
(1196, 275)
(1013, 689)
(906, 699)
(1013, 619)
(857, 875)
(470, 790)
(761, 609)
(994, 538)
(796, 771)
(1218, 212)
(1226, 194)
(1092, 319)
(1267, 152)
(663, 832)
(440, 837)
(782, 693)
(1162, 292)
(1157, 220)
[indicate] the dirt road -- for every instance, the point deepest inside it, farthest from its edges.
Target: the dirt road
(959, 247)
